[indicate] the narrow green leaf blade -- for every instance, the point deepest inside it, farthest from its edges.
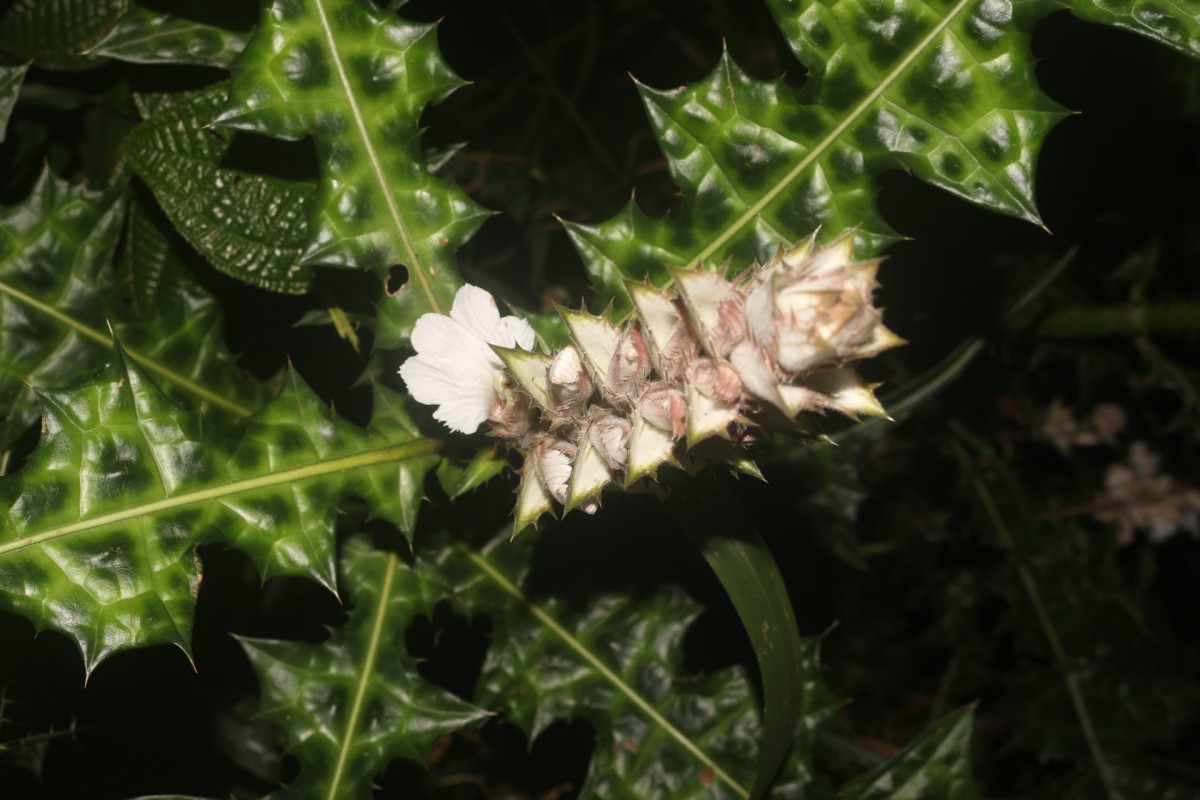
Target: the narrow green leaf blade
(55, 33)
(356, 79)
(99, 541)
(791, 680)
(936, 766)
(353, 703)
(252, 227)
(11, 79)
(143, 36)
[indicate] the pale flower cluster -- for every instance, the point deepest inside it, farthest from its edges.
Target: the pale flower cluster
(692, 378)
(1139, 496)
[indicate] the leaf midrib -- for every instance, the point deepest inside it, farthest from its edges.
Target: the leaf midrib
(751, 213)
(360, 460)
(415, 267)
(364, 678)
(643, 705)
(143, 360)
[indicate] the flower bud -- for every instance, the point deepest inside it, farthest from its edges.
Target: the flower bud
(629, 367)
(609, 433)
(816, 311)
(570, 386)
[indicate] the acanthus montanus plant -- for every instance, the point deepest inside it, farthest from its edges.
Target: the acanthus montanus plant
(695, 375)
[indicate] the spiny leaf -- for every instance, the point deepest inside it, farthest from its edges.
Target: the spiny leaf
(942, 88)
(10, 86)
(99, 541)
(936, 766)
(55, 33)
(252, 227)
(57, 298)
(353, 703)
(356, 79)
(616, 664)
(143, 36)
(54, 248)
(1174, 24)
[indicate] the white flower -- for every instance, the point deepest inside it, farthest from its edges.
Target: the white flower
(454, 368)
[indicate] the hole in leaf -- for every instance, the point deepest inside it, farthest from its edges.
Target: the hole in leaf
(450, 647)
(397, 277)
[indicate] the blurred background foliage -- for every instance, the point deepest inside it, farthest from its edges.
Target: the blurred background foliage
(986, 548)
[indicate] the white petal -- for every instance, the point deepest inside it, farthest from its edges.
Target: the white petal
(476, 311)
(463, 401)
(514, 332)
(554, 468)
(446, 341)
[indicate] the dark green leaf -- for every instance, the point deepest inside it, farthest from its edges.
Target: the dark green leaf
(156, 276)
(59, 298)
(143, 36)
(10, 86)
(355, 702)
(1175, 24)
(934, 767)
(252, 227)
(99, 541)
(356, 79)
(55, 33)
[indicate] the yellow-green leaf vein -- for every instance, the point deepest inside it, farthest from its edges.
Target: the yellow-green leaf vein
(369, 458)
(752, 213)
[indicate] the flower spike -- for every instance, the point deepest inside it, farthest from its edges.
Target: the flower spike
(691, 379)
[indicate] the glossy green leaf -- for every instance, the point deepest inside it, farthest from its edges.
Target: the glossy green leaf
(356, 79)
(615, 663)
(56, 33)
(354, 702)
(58, 297)
(936, 766)
(54, 250)
(1174, 23)
(99, 541)
(10, 86)
(252, 227)
(942, 88)
(143, 36)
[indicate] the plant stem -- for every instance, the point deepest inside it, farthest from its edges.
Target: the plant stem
(1039, 607)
